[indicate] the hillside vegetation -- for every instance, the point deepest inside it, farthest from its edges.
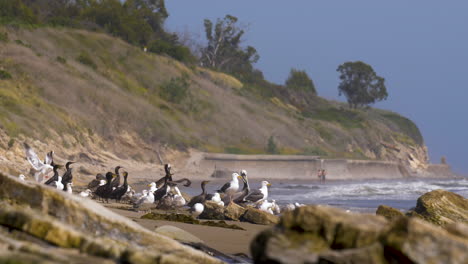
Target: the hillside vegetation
(79, 89)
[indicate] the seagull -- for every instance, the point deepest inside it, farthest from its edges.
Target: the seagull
(147, 199)
(197, 209)
(216, 198)
(69, 188)
(266, 206)
(258, 195)
(178, 199)
(231, 187)
(41, 168)
(22, 177)
(86, 193)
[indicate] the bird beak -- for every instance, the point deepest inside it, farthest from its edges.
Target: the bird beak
(149, 185)
(269, 184)
(114, 175)
(239, 177)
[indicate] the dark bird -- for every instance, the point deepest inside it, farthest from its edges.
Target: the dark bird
(105, 190)
(166, 177)
(116, 182)
(67, 177)
(55, 177)
(96, 182)
(201, 197)
(121, 190)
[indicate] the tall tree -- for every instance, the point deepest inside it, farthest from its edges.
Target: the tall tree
(223, 51)
(298, 80)
(360, 84)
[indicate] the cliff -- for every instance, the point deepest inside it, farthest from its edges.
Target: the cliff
(95, 98)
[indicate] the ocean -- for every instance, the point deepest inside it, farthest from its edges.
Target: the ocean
(363, 196)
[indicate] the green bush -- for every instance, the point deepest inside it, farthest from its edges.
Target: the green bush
(178, 52)
(85, 59)
(4, 75)
(61, 59)
(271, 147)
(4, 36)
(176, 90)
(299, 81)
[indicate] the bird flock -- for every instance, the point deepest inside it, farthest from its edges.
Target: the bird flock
(164, 193)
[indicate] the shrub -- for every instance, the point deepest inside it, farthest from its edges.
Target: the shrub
(175, 90)
(85, 59)
(299, 81)
(4, 75)
(272, 148)
(61, 59)
(4, 36)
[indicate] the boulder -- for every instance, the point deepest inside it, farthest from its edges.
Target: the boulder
(256, 216)
(411, 240)
(441, 207)
(77, 227)
(233, 211)
(319, 234)
(388, 212)
(177, 234)
(212, 211)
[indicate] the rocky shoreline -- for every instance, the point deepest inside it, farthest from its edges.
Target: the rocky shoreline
(39, 224)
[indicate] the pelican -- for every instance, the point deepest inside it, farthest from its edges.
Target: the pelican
(41, 168)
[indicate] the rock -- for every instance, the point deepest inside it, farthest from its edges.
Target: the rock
(78, 227)
(233, 211)
(441, 207)
(256, 216)
(318, 234)
(411, 240)
(212, 211)
(388, 212)
(177, 234)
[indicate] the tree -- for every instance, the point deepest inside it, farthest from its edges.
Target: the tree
(360, 84)
(223, 51)
(299, 80)
(272, 148)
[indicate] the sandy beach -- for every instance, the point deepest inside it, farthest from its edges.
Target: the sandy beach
(225, 240)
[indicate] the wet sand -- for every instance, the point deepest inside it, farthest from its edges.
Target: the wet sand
(228, 241)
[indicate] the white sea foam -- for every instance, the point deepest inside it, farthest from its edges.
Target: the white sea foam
(367, 194)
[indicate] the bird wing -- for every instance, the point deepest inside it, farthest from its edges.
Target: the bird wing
(225, 187)
(254, 196)
(49, 158)
(32, 157)
(196, 199)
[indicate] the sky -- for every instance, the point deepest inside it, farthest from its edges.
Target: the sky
(419, 47)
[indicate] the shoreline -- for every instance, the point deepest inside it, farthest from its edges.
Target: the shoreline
(227, 241)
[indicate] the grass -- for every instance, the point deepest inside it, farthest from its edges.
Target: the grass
(346, 118)
(406, 126)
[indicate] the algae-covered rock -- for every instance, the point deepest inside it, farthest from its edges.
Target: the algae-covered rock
(303, 234)
(212, 211)
(411, 240)
(317, 234)
(441, 207)
(70, 223)
(233, 211)
(388, 212)
(256, 216)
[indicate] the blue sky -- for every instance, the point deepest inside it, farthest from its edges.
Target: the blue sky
(419, 47)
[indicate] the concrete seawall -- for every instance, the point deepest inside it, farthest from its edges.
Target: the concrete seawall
(302, 167)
